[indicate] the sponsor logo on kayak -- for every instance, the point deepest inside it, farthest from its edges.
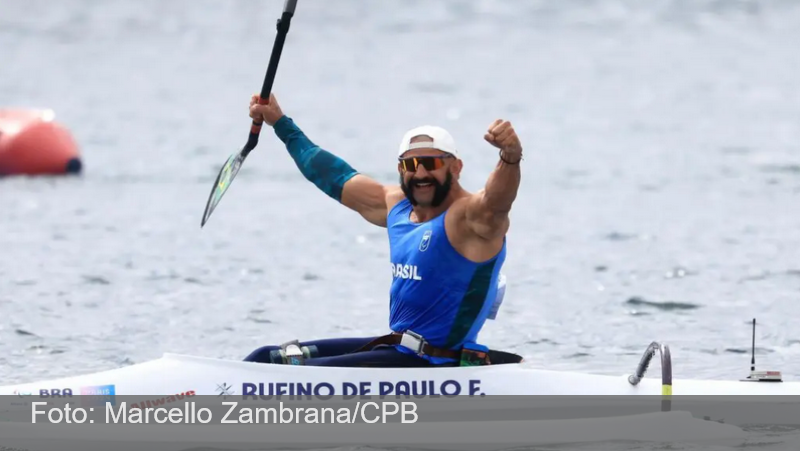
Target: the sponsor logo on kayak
(98, 390)
(23, 395)
(155, 402)
(55, 393)
(225, 390)
(98, 395)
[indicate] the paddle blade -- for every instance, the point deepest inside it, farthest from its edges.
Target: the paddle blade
(223, 182)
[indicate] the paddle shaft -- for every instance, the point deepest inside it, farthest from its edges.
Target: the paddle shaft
(272, 69)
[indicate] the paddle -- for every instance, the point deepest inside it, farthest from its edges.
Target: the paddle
(231, 167)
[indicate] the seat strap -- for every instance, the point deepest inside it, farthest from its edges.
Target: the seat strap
(412, 341)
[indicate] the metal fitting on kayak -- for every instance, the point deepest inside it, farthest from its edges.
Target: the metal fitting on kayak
(666, 371)
(292, 353)
(760, 376)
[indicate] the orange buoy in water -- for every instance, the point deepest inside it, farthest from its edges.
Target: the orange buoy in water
(31, 143)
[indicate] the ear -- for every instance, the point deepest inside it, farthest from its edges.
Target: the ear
(456, 168)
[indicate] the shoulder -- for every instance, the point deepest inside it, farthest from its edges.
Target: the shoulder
(473, 241)
(394, 194)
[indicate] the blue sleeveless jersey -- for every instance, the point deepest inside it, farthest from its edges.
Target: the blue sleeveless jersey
(436, 292)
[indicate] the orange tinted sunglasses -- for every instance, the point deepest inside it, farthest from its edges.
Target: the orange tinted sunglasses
(431, 163)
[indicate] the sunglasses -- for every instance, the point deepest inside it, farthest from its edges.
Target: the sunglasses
(432, 163)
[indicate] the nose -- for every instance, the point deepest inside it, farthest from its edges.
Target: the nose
(421, 172)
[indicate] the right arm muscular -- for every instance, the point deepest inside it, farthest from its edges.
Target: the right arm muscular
(334, 176)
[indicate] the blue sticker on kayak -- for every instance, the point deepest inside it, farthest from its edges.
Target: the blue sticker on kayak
(98, 395)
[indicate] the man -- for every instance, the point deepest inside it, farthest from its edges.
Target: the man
(447, 245)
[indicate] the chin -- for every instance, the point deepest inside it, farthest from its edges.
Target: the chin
(424, 202)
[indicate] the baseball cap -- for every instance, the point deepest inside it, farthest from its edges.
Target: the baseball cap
(440, 139)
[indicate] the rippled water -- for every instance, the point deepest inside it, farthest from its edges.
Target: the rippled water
(660, 196)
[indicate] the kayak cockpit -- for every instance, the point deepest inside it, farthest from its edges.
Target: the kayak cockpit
(394, 350)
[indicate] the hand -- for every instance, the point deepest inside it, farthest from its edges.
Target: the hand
(501, 134)
(269, 113)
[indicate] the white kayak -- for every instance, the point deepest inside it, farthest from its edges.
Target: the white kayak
(174, 374)
(175, 381)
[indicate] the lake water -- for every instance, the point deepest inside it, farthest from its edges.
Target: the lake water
(660, 196)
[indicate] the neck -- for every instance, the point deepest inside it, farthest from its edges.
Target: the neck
(426, 213)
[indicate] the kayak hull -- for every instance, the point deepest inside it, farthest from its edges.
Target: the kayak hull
(569, 407)
(175, 373)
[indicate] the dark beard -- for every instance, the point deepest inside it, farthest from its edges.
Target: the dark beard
(440, 190)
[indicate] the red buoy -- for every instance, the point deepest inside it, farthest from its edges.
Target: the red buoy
(31, 143)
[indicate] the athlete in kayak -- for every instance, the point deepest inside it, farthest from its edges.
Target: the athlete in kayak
(447, 245)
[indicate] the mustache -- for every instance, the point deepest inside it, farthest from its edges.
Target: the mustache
(441, 190)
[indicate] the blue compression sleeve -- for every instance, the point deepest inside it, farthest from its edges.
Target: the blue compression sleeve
(320, 167)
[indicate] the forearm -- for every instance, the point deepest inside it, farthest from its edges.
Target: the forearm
(502, 186)
(320, 167)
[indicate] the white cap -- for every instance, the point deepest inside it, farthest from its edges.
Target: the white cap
(440, 140)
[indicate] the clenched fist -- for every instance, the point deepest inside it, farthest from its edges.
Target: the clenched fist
(268, 112)
(501, 134)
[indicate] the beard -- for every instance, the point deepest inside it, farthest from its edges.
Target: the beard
(441, 190)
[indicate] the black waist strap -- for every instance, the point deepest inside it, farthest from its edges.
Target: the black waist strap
(395, 338)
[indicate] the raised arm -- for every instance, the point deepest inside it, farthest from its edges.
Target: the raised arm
(332, 175)
(487, 210)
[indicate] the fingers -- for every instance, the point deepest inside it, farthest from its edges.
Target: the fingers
(505, 134)
(255, 111)
(252, 110)
(265, 109)
(501, 134)
(500, 126)
(256, 99)
(491, 136)
(268, 101)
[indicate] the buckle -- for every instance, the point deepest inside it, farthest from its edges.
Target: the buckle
(293, 353)
(413, 341)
